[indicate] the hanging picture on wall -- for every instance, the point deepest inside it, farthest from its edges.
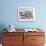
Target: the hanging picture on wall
(26, 14)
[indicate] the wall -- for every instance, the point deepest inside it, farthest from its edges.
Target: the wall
(8, 9)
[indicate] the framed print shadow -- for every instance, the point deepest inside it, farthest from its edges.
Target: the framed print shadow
(26, 14)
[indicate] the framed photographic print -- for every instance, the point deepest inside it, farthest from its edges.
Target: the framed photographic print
(26, 14)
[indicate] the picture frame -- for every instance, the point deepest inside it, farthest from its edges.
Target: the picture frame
(26, 14)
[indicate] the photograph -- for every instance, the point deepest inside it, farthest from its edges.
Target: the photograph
(26, 14)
